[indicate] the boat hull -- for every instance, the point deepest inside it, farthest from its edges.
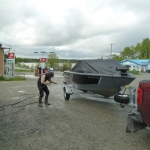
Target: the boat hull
(102, 84)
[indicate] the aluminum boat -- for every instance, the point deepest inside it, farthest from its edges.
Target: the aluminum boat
(103, 77)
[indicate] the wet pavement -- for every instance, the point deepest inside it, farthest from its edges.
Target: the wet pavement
(85, 122)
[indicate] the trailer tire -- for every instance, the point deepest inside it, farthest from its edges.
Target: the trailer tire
(66, 96)
(121, 98)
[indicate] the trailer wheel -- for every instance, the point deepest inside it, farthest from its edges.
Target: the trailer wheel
(66, 96)
(122, 98)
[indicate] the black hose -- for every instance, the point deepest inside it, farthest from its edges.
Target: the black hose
(12, 105)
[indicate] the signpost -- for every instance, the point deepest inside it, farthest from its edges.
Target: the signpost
(10, 64)
(10, 67)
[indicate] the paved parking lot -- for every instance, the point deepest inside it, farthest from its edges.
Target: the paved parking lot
(85, 122)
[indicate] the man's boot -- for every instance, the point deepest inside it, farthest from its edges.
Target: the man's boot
(46, 100)
(40, 102)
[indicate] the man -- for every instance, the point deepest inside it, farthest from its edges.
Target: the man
(43, 81)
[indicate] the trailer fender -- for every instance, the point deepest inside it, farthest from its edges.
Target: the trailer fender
(68, 90)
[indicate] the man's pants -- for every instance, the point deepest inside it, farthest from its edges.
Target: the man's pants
(42, 89)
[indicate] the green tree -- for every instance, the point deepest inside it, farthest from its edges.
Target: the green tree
(146, 48)
(65, 66)
(141, 51)
(37, 65)
(5, 56)
(128, 53)
(138, 48)
(116, 57)
(15, 60)
(52, 60)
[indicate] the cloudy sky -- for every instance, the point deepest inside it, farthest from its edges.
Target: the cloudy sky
(76, 29)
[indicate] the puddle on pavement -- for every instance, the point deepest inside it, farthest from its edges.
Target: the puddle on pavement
(21, 91)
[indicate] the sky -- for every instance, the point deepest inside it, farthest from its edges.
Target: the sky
(73, 29)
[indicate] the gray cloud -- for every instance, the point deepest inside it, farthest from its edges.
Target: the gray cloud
(53, 34)
(80, 31)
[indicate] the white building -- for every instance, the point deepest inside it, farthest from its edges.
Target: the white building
(137, 64)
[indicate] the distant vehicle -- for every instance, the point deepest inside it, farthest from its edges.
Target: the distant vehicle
(148, 70)
(51, 70)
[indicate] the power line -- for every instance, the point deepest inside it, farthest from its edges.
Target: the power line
(5, 44)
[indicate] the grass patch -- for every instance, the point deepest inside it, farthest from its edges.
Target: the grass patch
(22, 70)
(135, 72)
(2, 78)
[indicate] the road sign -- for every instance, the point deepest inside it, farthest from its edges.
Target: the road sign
(11, 55)
(42, 59)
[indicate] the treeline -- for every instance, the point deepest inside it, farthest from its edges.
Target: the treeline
(19, 60)
(25, 60)
(139, 51)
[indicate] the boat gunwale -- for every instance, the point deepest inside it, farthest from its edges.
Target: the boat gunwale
(129, 75)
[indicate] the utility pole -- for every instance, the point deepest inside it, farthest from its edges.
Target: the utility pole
(111, 51)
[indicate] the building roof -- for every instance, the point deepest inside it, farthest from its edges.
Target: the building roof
(4, 46)
(142, 62)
